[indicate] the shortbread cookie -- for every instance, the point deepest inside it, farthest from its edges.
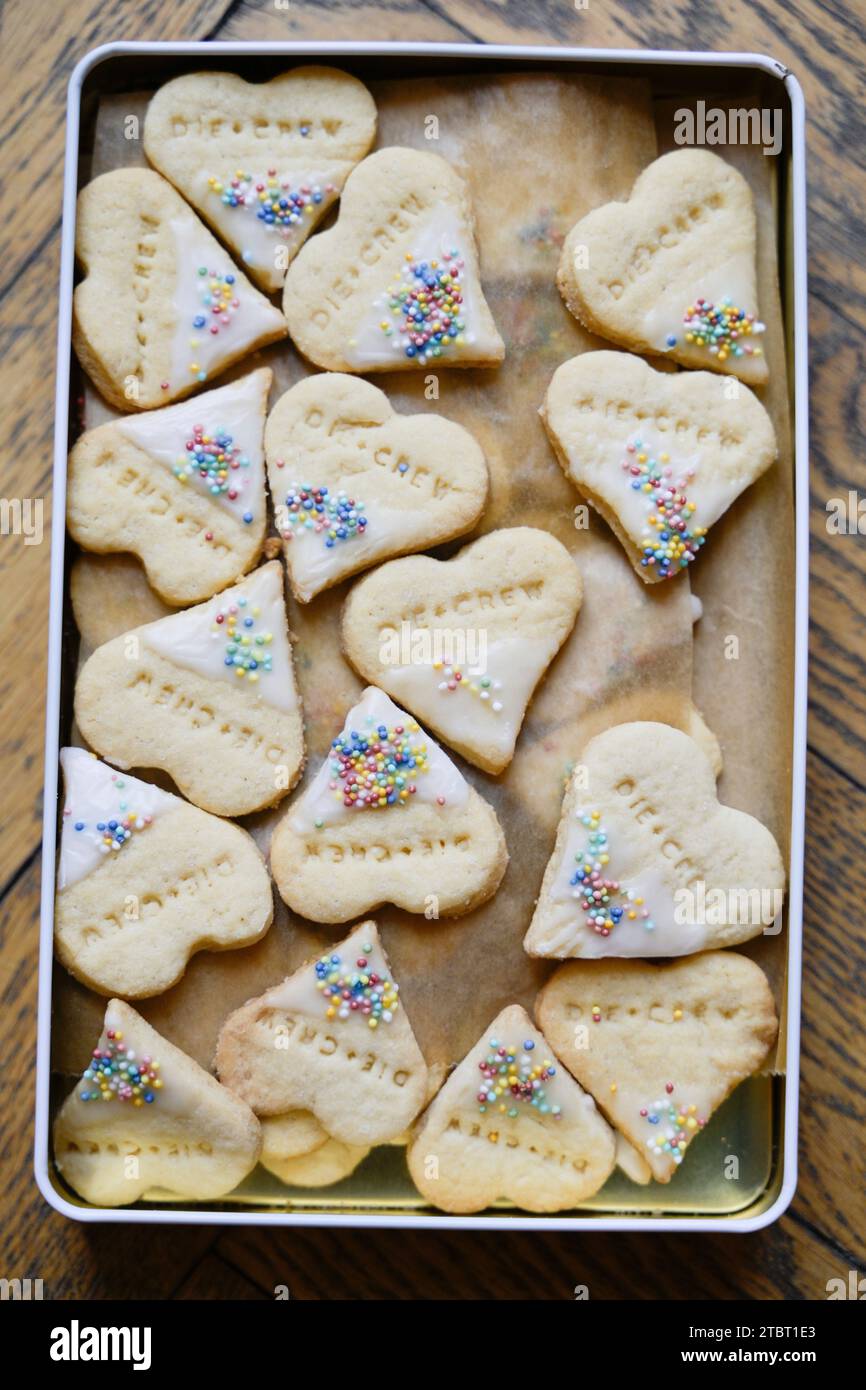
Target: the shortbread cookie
(334, 1039)
(146, 880)
(106, 591)
(146, 1120)
(673, 269)
(183, 488)
(661, 455)
(208, 695)
(647, 861)
(510, 1123)
(395, 284)
(161, 308)
(464, 642)
(660, 1046)
(387, 818)
(353, 482)
(261, 162)
(326, 1165)
(289, 1136)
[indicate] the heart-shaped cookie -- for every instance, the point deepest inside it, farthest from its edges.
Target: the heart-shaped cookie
(647, 861)
(387, 818)
(395, 283)
(333, 1039)
(673, 270)
(353, 482)
(183, 488)
(145, 1119)
(660, 1046)
(464, 642)
(261, 161)
(145, 880)
(208, 695)
(161, 308)
(510, 1124)
(661, 455)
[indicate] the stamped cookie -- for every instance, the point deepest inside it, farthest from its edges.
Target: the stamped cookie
(660, 455)
(387, 818)
(464, 642)
(145, 880)
(208, 695)
(353, 482)
(647, 861)
(395, 284)
(673, 269)
(511, 1124)
(145, 1119)
(161, 308)
(183, 488)
(660, 1046)
(261, 161)
(333, 1039)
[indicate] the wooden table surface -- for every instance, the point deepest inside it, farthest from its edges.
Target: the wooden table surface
(822, 1235)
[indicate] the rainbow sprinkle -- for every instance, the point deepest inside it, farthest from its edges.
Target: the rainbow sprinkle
(670, 540)
(279, 206)
(118, 1074)
(377, 769)
(118, 831)
(510, 1075)
(602, 899)
(246, 650)
(720, 328)
(427, 301)
(484, 687)
(358, 991)
(675, 1125)
(214, 460)
(313, 509)
(219, 303)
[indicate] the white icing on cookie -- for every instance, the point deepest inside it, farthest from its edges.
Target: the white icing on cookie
(486, 704)
(103, 810)
(732, 278)
(304, 992)
(233, 410)
(221, 639)
(647, 926)
(443, 241)
(217, 319)
(240, 206)
(323, 802)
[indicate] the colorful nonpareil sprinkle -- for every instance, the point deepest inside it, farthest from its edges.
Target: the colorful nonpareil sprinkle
(246, 650)
(377, 769)
(670, 540)
(115, 1073)
(280, 203)
(602, 899)
(427, 303)
(720, 328)
(511, 1077)
(356, 989)
(116, 830)
(219, 304)
(484, 688)
(674, 1125)
(314, 510)
(213, 460)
